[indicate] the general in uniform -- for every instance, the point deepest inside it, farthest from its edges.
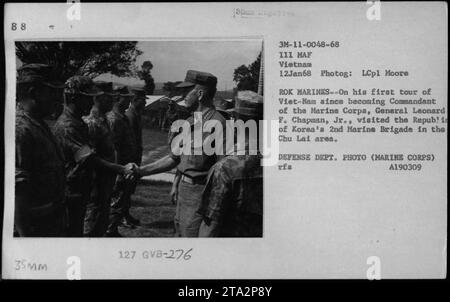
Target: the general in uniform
(193, 168)
(39, 176)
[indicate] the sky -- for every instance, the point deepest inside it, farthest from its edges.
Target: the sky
(171, 59)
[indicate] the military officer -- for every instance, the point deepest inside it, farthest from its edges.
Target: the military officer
(101, 138)
(39, 176)
(233, 195)
(193, 167)
(134, 115)
(81, 159)
(126, 152)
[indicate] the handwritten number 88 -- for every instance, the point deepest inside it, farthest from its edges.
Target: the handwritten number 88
(23, 26)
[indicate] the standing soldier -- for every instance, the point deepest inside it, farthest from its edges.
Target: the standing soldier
(126, 150)
(73, 136)
(40, 178)
(232, 202)
(193, 167)
(224, 107)
(100, 135)
(134, 115)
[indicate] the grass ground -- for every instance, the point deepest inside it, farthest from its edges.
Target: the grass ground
(151, 204)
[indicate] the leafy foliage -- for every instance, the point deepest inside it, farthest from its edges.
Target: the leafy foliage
(145, 75)
(81, 57)
(247, 77)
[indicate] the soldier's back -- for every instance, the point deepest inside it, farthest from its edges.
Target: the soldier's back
(235, 189)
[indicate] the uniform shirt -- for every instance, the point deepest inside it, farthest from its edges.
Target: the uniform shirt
(232, 201)
(123, 137)
(39, 165)
(198, 165)
(72, 135)
(101, 138)
(136, 124)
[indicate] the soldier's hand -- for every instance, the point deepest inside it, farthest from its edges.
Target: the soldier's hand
(131, 168)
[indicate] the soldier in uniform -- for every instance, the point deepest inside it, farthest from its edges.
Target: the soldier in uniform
(81, 159)
(39, 177)
(126, 152)
(192, 167)
(134, 115)
(181, 113)
(233, 196)
(101, 138)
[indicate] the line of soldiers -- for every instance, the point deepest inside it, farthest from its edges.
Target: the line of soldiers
(67, 178)
(77, 180)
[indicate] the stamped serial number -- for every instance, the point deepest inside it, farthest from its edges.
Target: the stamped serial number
(174, 254)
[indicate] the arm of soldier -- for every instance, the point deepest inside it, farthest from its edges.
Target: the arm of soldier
(78, 144)
(164, 164)
(113, 167)
(98, 162)
(214, 202)
(23, 194)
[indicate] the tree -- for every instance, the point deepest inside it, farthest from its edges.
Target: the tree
(145, 75)
(81, 57)
(247, 77)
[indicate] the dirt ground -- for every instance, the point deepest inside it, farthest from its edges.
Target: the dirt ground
(151, 204)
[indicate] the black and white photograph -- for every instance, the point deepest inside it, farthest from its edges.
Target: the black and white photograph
(228, 141)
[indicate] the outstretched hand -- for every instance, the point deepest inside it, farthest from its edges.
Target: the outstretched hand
(131, 171)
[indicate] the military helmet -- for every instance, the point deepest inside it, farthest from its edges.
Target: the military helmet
(139, 93)
(37, 73)
(81, 85)
(106, 87)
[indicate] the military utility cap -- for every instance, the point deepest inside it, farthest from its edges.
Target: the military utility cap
(81, 85)
(123, 91)
(106, 87)
(249, 103)
(37, 73)
(139, 93)
(194, 77)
